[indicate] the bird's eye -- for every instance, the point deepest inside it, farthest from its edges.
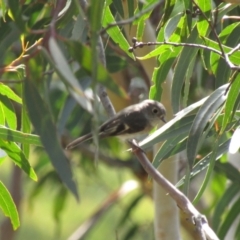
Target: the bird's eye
(155, 110)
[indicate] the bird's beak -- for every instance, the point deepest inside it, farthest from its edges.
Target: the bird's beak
(163, 119)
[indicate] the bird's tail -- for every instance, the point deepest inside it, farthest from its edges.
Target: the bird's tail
(79, 141)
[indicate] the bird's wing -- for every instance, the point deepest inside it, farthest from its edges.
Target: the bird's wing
(131, 123)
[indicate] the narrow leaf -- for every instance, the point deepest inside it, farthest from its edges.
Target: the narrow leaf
(18, 157)
(5, 90)
(8, 134)
(230, 102)
(8, 206)
(41, 120)
(214, 101)
(9, 112)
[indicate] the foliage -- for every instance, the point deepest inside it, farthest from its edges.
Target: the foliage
(50, 70)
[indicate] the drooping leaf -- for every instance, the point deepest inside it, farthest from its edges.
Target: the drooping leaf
(223, 203)
(114, 32)
(187, 54)
(41, 120)
(18, 157)
(7, 91)
(230, 102)
(204, 162)
(168, 8)
(8, 111)
(231, 216)
(203, 23)
(65, 73)
(8, 206)
(214, 101)
(83, 55)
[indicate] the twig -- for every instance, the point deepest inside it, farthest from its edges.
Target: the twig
(137, 44)
(182, 201)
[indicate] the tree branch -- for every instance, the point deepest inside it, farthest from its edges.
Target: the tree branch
(182, 201)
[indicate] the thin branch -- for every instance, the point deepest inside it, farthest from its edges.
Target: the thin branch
(182, 201)
(137, 44)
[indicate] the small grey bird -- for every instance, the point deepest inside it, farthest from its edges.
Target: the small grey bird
(129, 123)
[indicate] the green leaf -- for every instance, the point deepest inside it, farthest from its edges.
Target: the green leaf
(202, 24)
(26, 126)
(231, 172)
(188, 9)
(175, 145)
(59, 203)
(115, 63)
(8, 36)
(209, 171)
(6, 91)
(230, 102)
(18, 157)
(80, 30)
(140, 29)
(223, 203)
(171, 26)
(8, 206)
(229, 219)
(204, 162)
(119, 7)
(223, 70)
(8, 134)
(234, 58)
(83, 55)
(96, 10)
(16, 14)
(41, 120)
(166, 60)
(182, 66)
(214, 101)
(8, 111)
(65, 73)
(115, 32)
(130, 8)
(168, 8)
(2, 115)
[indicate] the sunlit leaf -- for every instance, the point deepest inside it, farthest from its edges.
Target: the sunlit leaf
(203, 23)
(8, 134)
(8, 111)
(7, 91)
(8, 206)
(114, 32)
(18, 157)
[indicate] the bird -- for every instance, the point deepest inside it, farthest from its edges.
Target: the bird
(129, 123)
